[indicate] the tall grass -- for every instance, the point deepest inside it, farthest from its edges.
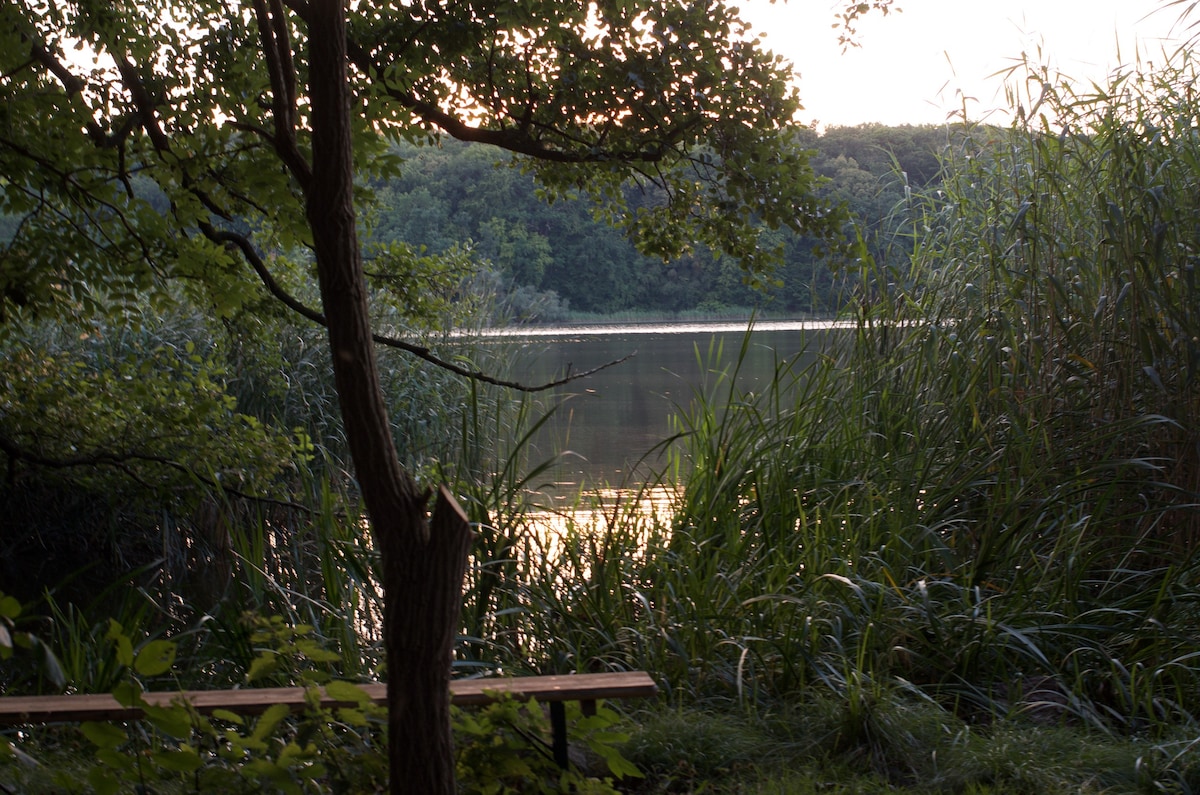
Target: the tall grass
(987, 501)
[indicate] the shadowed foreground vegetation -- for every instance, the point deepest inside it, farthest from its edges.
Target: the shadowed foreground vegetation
(958, 555)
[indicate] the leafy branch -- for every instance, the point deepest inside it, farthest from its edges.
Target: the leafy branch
(282, 71)
(121, 461)
(246, 248)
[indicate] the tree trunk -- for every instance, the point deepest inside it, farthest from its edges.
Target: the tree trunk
(422, 571)
(422, 608)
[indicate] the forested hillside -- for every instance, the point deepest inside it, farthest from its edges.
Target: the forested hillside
(549, 259)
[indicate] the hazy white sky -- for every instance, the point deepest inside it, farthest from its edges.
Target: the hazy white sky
(916, 66)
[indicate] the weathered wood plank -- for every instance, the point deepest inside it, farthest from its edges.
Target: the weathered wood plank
(16, 710)
(565, 687)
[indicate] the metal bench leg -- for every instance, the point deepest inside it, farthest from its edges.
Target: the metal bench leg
(558, 729)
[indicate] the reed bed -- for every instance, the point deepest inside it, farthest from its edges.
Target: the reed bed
(987, 502)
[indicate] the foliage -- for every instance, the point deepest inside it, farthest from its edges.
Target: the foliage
(879, 150)
(127, 400)
(502, 747)
(848, 18)
(106, 467)
(980, 502)
(150, 166)
(324, 749)
(791, 747)
(975, 518)
(459, 194)
(107, 473)
(502, 750)
(16, 638)
(174, 170)
(155, 182)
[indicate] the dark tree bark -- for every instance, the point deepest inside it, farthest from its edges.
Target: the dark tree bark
(423, 563)
(422, 608)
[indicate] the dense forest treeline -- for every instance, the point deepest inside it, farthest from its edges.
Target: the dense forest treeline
(551, 259)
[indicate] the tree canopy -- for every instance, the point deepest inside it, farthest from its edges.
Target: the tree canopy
(152, 141)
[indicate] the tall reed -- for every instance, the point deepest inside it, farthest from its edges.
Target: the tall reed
(987, 498)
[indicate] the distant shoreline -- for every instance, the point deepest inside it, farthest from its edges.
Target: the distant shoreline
(715, 326)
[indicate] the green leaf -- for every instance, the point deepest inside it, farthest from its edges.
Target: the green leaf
(262, 665)
(124, 651)
(116, 759)
(155, 658)
(174, 720)
(346, 691)
(618, 765)
(183, 760)
(313, 772)
(313, 651)
(128, 694)
(228, 717)
(103, 781)
(292, 755)
(268, 721)
(352, 717)
(124, 645)
(103, 735)
(309, 678)
(9, 607)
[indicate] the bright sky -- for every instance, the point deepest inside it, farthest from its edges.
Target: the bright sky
(916, 66)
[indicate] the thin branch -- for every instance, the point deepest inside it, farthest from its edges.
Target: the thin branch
(71, 83)
(145, 104)
(287, 65)
(85, 200)
(510, 139)
(284, 87)
(251, 255)
(277, 48)
(514, 140)
(74, 84)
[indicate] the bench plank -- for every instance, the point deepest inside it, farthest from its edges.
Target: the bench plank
(15, 710)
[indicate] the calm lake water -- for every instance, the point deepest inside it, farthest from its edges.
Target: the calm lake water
(610, 420)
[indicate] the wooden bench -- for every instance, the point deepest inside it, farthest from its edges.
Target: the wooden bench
(554, 691)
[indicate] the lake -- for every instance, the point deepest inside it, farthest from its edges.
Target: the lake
(609, 420)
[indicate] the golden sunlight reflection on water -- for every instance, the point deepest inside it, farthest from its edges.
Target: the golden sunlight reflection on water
(635, 512)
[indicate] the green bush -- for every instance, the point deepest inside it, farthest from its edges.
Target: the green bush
(501, 748)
